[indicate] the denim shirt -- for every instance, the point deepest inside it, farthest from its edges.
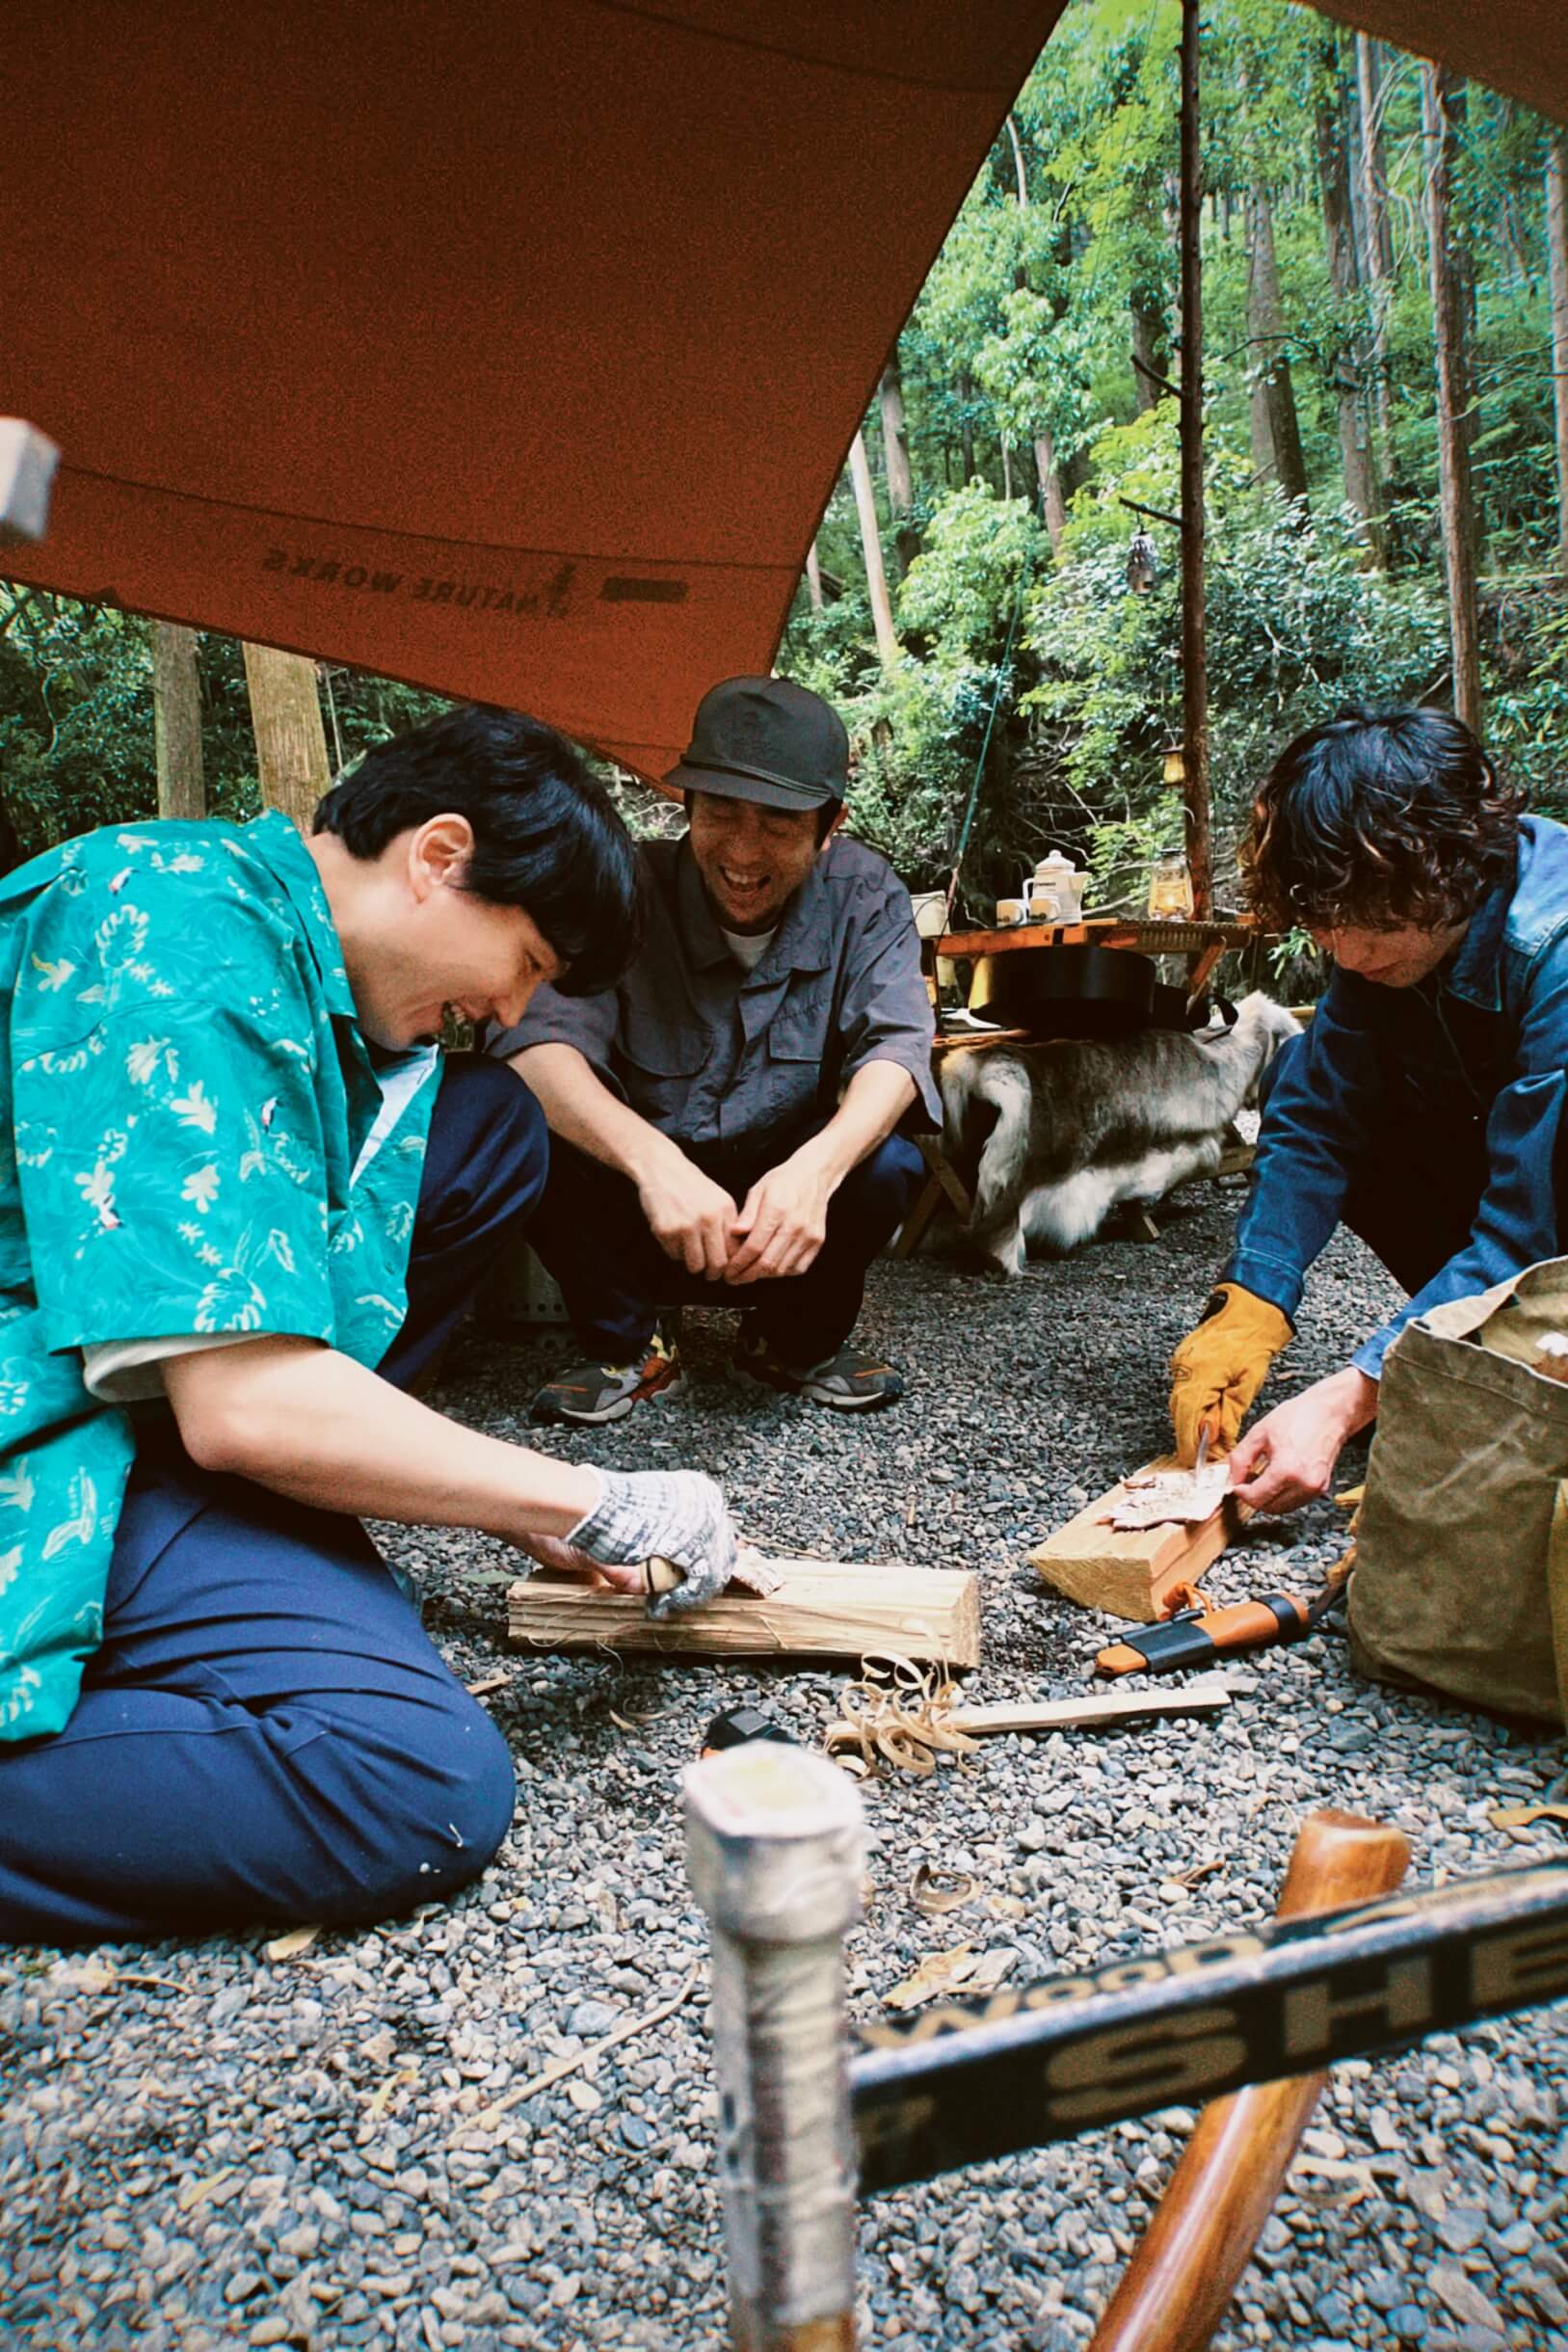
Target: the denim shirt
(727, 1060)
(1483, 1043)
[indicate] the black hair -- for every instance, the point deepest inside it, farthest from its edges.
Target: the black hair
(547, 835)
(1379, 818)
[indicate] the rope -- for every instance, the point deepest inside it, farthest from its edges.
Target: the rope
(1002, 674)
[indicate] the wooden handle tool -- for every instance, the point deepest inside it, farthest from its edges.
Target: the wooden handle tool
(1185, 2268)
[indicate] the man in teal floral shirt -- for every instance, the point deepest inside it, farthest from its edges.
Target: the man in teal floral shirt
(242, 1205)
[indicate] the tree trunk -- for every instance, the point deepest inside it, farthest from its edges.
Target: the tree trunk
(965, 425)
(1052, 497)
(1443, 102)
(1340, 240)
(1557, 241)
(1150, 350)
(1373, 81)
(291, 743)
(876, 579)
(1276, 436)
(1194, 619)
(176, 721)
(814, 577)
(895, 451)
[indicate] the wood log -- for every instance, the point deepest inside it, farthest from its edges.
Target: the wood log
(1131, 1572)
(1190, 2260)
(823, 1609)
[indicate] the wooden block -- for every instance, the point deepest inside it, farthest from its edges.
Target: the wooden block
(1128, 1571)
(1206, 1697)
(823, 1609)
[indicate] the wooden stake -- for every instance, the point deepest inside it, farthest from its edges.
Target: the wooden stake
(1130, 1572)
(1185, 2268)
(822, 1609)
(1206, 1697)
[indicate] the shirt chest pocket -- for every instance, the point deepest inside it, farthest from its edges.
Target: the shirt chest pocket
(658, 1062)
(798, 1031)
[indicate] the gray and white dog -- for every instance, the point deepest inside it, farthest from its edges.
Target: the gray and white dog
(1049, 1139)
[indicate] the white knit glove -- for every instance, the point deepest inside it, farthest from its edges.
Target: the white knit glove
(677, 1516)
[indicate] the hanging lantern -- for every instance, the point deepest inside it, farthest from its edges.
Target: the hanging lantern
(1175, 770)
(1142, 563)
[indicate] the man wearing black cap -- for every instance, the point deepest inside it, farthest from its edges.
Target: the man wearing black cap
(724, 1123)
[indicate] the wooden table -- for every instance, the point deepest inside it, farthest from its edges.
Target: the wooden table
(1202, 942)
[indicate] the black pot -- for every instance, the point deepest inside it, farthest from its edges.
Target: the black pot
(1072, 992)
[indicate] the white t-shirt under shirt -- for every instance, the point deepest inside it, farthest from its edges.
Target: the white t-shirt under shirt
(748, 948)
(131, 1371)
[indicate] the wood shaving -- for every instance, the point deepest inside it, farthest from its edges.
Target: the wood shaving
(289, 1947)
(935, 1892)
(1161, 1498)
(896, 1716)
(962, 1970)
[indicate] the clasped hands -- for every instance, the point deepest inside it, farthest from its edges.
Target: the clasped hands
(777, 1231)
(1287, 1457)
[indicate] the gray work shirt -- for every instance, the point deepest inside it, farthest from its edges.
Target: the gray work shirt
(716, 1056)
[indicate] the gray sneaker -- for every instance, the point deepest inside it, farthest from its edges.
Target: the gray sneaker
(849, 1382)
(590, 1393)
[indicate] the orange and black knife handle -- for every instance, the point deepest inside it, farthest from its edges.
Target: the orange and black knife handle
(1194, 1640)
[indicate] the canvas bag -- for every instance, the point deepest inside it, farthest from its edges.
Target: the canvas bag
(1461, 1579)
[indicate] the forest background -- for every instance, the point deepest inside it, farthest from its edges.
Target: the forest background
(1003, 648)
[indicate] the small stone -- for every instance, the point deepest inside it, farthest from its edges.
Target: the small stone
(273, 2330)
(1462, 2227)
(1408, 2321)
(1461, 2296)
(243, 2285)
(1032, 1837)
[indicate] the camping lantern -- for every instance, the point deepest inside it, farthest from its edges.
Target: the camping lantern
(1142, 562)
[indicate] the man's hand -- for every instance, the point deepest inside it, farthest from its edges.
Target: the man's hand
(692, 1218)
(1288, 1459)
(677, 1516)
(782, 1222)
(1218, 1369)
(565, 1559)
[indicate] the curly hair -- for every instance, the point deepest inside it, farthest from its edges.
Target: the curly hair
(1375, 820)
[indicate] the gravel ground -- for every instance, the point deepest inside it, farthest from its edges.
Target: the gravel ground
(203, 2145)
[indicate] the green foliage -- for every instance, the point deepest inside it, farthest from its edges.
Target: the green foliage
(1025, 330)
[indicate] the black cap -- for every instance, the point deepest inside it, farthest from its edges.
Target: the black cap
(766, 739)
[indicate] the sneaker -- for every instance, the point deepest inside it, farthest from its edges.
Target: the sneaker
(848, 1381)
(595, 1393)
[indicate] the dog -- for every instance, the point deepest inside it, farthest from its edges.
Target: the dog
(1049, 1139)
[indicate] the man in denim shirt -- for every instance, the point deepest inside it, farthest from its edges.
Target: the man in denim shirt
(1424, 1106)
(726, 1122)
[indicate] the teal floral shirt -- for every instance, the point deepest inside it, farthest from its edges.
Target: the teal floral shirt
(185, 1099)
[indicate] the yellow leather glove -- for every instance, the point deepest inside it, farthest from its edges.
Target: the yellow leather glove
(1218, 1369)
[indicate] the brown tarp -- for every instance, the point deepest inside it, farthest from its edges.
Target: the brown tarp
(511, 349)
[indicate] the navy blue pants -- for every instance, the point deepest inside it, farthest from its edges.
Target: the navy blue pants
(591, 1232)
(267, 1732)
(1414, 1198)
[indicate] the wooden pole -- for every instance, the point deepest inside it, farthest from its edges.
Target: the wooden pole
(774, 1852)
(1190, 2258)
(176, 721)
(292, 743)
(1194, 650)
(1442, 106)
